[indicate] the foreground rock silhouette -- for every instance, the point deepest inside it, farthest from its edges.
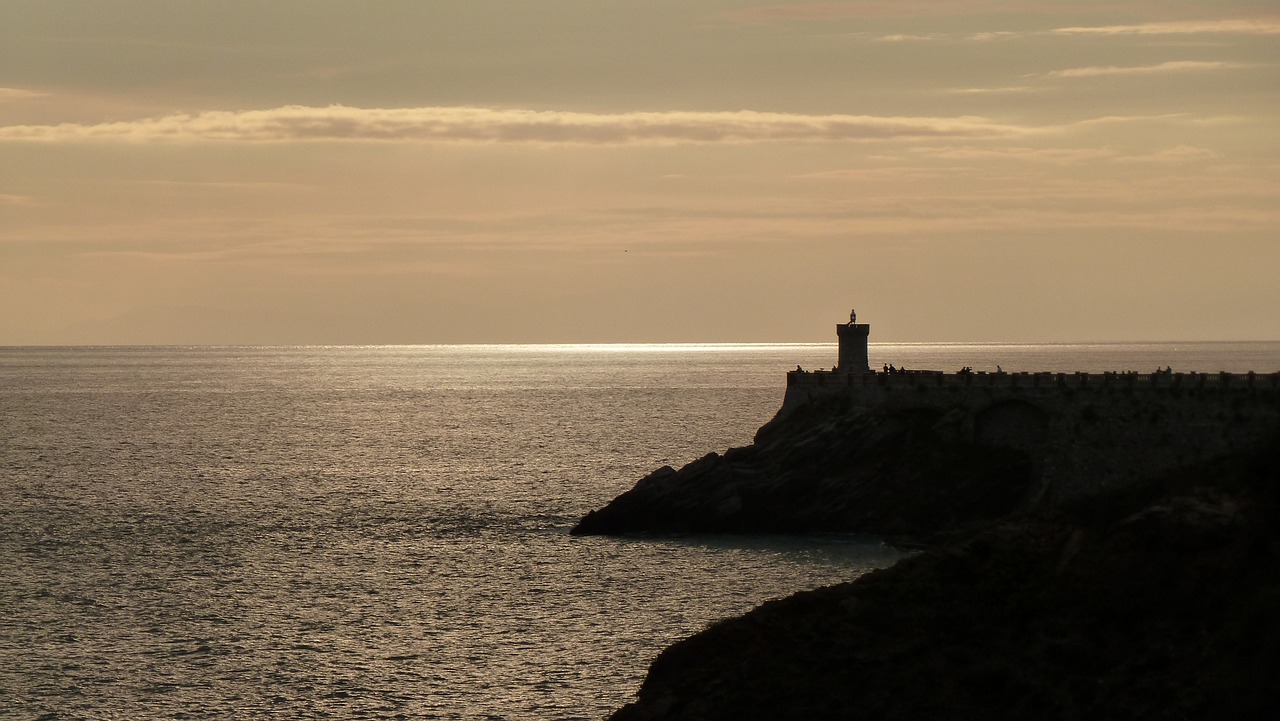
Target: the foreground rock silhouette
(1159, 600)
(829, 466)
(908, 457)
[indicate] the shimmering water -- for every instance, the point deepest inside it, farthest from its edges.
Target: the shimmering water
(381, 532)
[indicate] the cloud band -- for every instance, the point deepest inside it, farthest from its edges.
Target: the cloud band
(1173, 66)
(296, 123)
(1267, 26)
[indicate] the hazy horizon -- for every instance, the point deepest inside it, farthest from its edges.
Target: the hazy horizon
(497, 171)
(674, 346)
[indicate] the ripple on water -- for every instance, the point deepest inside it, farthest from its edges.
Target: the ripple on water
(364, 617)
(314, 533)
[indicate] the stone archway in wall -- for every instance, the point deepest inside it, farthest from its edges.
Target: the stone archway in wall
(1012, 423)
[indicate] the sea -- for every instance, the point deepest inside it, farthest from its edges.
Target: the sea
(382, 532)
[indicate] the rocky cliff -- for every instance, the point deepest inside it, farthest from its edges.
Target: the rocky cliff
(912, 456)
(1159, 600)
(831, 466)
(1095, 550)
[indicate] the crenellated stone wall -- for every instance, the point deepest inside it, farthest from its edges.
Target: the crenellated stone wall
(1086, 430)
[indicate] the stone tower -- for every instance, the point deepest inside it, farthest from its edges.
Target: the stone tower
(853, 346)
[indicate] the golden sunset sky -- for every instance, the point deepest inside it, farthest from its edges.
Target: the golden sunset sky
(513, 171)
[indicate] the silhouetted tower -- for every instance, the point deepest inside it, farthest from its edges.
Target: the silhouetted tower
(853, 346)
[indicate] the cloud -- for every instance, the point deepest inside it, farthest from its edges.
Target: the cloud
(1181, 27)
(10, 199)
(1069, 156)
(1172, 156)
(1125, 119)
(1006, 89)
(1173, 66)
(19, 94)
(1219, 121)
(1058, 156)
(995, 35)
(826, 11)
(763, 14)
(900, 38)
(484, 125)
(1186, 27)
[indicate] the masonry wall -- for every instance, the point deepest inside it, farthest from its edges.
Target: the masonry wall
(1085, 430)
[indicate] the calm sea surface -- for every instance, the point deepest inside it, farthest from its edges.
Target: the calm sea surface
(382, 532)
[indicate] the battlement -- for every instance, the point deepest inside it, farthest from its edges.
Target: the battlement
(1085, 431)
(875, 389)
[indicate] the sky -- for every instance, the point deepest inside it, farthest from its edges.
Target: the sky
(592, 171)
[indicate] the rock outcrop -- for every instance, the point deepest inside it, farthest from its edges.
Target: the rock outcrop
(914, 455)
(1158, 600)
(831, 466)
(1098, 547)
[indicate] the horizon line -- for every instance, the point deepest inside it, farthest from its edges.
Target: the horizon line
(619, 345)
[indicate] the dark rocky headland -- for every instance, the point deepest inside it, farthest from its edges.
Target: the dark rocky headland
(910, 456)
(1096, 546)
(1157, 601)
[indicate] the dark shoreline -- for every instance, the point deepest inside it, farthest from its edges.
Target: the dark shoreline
(1153, 595)
(1160, 601)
